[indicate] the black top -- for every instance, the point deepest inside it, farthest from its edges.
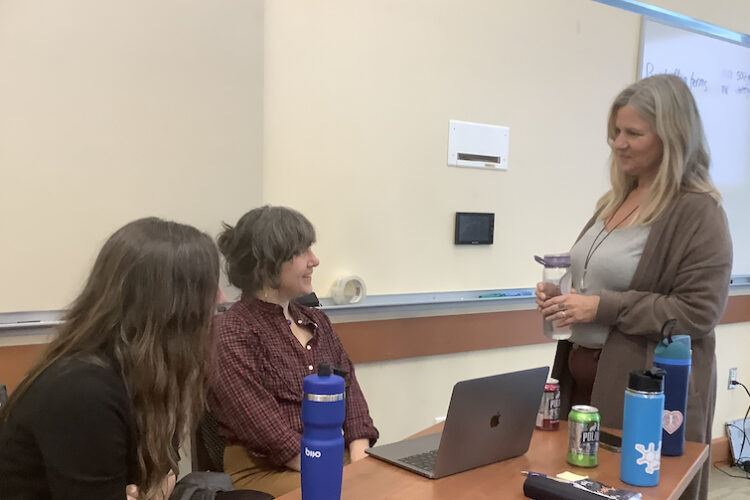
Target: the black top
(71, 436)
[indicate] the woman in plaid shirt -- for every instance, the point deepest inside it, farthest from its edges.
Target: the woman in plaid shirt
(266, 344)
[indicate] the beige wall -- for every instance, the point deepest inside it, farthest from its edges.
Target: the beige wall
(357, 102)
(731, 352)
(112, 110)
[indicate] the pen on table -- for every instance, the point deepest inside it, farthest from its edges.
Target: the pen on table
(532, 473)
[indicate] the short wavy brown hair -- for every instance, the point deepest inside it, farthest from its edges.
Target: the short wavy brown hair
(261, 241)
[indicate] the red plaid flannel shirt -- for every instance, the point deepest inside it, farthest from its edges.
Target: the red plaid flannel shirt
(257, 372)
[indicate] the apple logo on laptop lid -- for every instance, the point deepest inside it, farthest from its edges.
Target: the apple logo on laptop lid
(495, 420)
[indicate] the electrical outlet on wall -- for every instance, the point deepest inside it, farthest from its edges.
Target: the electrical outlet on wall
(732, 377)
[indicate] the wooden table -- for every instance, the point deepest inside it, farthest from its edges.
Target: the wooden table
(371, 478)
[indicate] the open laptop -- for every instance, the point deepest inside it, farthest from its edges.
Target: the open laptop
(489, 419)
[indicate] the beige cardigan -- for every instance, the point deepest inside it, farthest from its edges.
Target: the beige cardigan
(683, 274)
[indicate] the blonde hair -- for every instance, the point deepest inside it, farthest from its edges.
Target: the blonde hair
(667, 105)
(146, 310)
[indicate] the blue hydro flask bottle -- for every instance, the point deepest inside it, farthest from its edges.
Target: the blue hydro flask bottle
(322, 445)
(641, 428)
(673, 355)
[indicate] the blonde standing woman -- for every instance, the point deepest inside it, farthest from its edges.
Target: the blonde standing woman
(658, 247)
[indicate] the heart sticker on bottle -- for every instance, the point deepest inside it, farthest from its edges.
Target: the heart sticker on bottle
(671, 421)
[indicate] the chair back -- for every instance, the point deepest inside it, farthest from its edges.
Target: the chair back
(208, 445)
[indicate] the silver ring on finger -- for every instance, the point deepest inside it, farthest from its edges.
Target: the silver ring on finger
(561, 306)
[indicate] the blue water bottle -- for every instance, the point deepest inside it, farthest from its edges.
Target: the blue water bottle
(322, 445)
(673, 355)
(641, 428)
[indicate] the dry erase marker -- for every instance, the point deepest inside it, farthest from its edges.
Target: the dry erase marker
(505, 294)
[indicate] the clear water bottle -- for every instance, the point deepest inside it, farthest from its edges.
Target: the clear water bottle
(673, 355)
(322, 444)
(641, 428)
(557, 272)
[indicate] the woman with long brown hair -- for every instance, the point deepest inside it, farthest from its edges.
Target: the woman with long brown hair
(124, 379)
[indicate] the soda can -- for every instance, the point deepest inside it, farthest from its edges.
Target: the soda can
(548, 417)
(583, 436)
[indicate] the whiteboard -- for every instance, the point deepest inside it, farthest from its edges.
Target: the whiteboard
(718, 73)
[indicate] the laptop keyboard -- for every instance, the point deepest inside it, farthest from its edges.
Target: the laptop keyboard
(425, 461)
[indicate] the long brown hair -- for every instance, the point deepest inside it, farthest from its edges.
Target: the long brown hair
(666, 103)
(146, 308)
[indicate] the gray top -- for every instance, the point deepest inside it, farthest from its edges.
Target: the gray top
(611, 267)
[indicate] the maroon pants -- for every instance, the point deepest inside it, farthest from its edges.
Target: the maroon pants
(583, 363)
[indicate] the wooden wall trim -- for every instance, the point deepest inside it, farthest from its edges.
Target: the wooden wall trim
(368, 341)
(15, 361)
(382, 340)
(737, 311)
(720, 450)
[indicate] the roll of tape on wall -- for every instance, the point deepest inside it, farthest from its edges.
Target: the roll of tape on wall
(348, 290)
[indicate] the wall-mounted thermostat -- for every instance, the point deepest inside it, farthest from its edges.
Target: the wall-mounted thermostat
(474, 228)
(476, 145)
